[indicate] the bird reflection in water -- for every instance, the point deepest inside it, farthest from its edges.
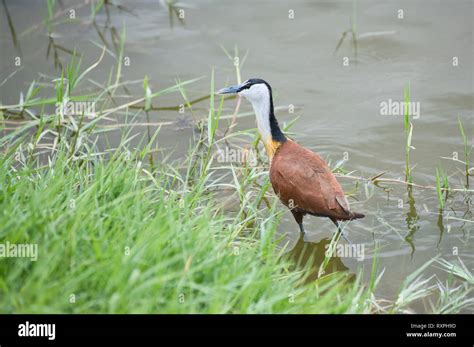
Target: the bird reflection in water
(312, 254)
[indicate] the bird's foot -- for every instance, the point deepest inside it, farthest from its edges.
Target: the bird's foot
(343, 235)
(303, 232)
(305, 237)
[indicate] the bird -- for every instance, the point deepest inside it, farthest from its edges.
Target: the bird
(300, 178)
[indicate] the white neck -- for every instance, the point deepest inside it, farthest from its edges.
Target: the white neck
(259, 97)
(262, 112)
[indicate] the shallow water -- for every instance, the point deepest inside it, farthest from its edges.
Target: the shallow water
(339, 106)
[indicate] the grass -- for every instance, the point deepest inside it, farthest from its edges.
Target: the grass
(442, 185)
(408, 125)
(467, 151)
(352, 31)
(115, 237)
(134, 242)
(458, 269)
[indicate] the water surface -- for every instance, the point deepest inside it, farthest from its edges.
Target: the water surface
(338, 106)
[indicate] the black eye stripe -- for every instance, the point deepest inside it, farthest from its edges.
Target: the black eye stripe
(253, 81)
(246, 86)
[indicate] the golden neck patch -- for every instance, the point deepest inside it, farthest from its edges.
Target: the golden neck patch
(271, 147)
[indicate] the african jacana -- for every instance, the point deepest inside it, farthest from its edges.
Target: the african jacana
(301, 178)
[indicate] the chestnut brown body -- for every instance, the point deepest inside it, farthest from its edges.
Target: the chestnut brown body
(301, 178)
(306, 185)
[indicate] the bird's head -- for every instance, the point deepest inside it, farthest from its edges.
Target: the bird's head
(254, 90)
(259, 93)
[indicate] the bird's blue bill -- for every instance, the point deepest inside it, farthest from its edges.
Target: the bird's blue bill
(230, 90)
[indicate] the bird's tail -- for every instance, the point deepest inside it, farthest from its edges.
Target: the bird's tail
(356, 215)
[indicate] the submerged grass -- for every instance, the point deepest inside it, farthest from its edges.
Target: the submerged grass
(408, 125)
(467, 151)
(442, 185)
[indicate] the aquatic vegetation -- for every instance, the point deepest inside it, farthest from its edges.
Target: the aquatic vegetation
(408, 125)
(442, 184)
(467, 151)
(352, 32)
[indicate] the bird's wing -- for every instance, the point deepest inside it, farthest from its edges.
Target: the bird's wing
(303, 180)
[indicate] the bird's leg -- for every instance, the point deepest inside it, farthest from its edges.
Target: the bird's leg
(339, 230)
(302, 228)
(299, 219)
(303, 232)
